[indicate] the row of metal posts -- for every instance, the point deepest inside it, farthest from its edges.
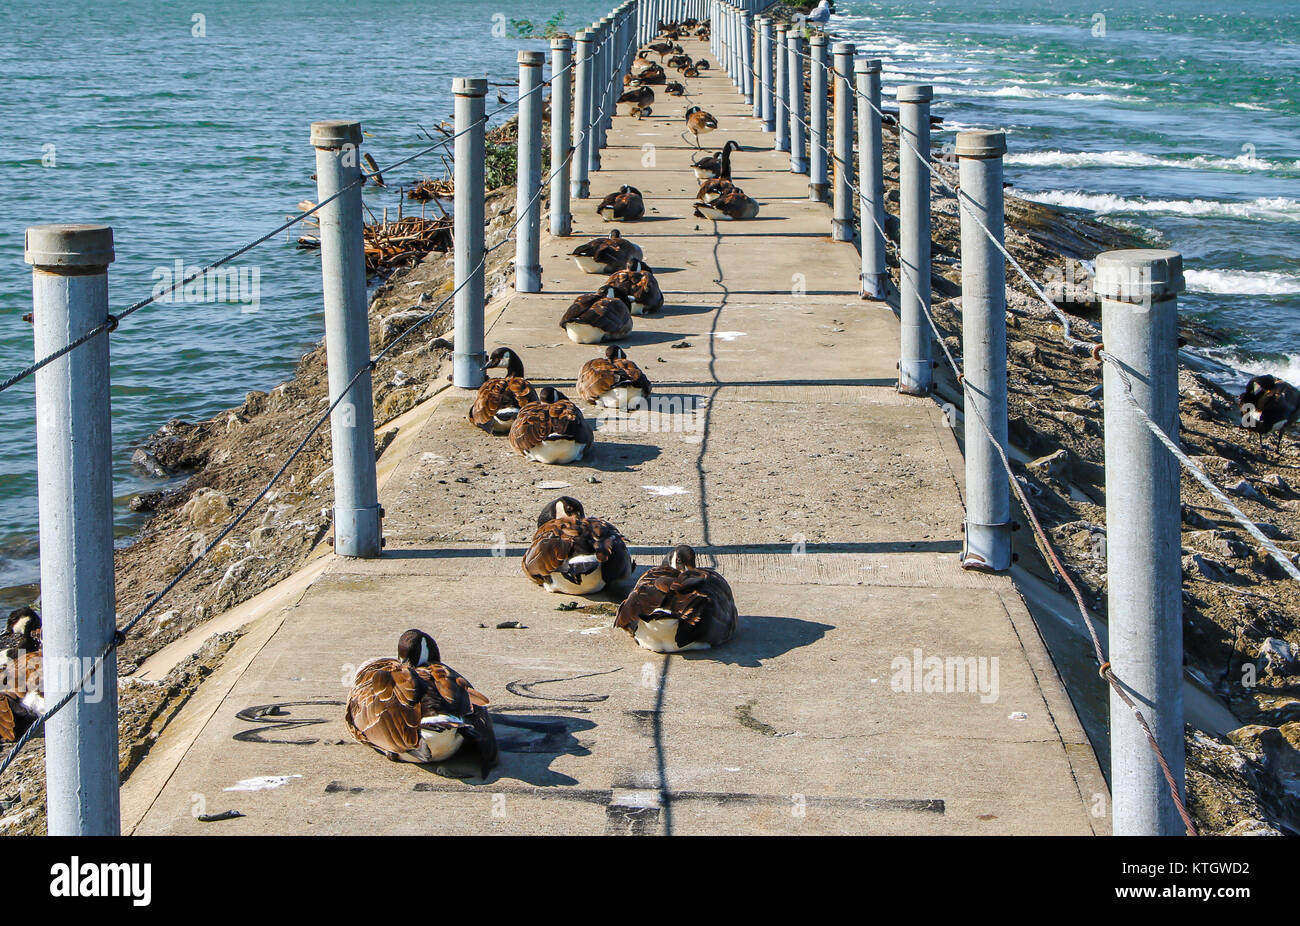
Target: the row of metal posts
(1138, 292)
(74, 434)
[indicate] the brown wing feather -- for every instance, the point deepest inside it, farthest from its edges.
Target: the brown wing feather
(530, 427)
(632, 374)
(551, 546)
(566, 418)
(9, 700)
(384, 707)
(596, 378)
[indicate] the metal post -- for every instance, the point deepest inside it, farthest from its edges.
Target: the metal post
(794, 83)
(580, 187)
(914, 367)
(602, 89)
(755, 59)
(765, 73)
(1139, 290)
(842, 206)
(74, 453)
(468, 357)
(817, 142)
(528, 182)
(987, 545)
(871, 181)
(747, 57)
(561, 113)
(357, 530)
(782, 113)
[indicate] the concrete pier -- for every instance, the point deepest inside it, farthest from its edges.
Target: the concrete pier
(782, 450)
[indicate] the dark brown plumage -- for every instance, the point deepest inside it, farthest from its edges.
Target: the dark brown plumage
(732, 204)
(601, 316)
(499, 400)
(717, 164)
(1269, 405)
(416, 709)
(699, 122)
(576, 555)
(623, 205)
(551, 430)
(715, 187)
(637, 95)
(674, 88)
(605, 255)
(613, 381)
(679, 606)
(638, 283)
(15, 716)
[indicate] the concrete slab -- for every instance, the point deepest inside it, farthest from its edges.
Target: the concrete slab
(832, 504)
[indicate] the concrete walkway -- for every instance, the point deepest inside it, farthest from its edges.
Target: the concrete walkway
(832, 504)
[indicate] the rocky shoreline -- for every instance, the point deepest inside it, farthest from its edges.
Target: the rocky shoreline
(1242, 629)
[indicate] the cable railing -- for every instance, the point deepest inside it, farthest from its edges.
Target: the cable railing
(587, 132)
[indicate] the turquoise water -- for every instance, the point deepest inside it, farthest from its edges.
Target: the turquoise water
(1177, 116)
(189, 146)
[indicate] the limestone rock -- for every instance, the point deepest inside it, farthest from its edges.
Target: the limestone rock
(208, 508)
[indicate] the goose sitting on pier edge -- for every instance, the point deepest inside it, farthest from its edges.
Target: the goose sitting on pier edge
(606, 255)
(733, 204)
(678, 606)
(638, 283)
(624, 205)
(699, 122)
(551, 430)
(637, 95)
(600, 316)
(717, 164)
(416, 709)
(613, 381)
(572, 554)
(1269, 405)
(498, 400)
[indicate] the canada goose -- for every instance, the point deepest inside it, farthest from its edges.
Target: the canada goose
(638, 283)
(730, 205)
(690, 71)
(640, 111)
(613, 381)
(499, 400)
(700, 123)
(674, 88)
(605, 255)
(679, 61)
(715, 187)
(551, 430)
(660, 48)
(626, 205)
(572, 554)
(717, 164)
(1269, 405)
(702, 64)
(678, 606)
(637, 95)
(21, 682)
(605, 315)
(651, 74)
(416, 709)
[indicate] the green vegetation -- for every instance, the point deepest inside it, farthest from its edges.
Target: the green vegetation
(501, 160)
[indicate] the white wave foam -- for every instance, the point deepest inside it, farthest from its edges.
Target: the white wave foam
(1270, 208)
(1242, 282)
(1242, 162)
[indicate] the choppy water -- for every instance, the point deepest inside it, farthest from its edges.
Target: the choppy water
(189, 146)
(1178, 117)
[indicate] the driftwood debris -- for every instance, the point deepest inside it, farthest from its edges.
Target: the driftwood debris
(401, 243)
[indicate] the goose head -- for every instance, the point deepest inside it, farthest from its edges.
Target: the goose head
(563, 507)
(26, 624)
(613, 292)
(692, 111)
(504, 357)
(681, 557)
(417, 648)
(732, 145)
(614, 352)
(549, 395)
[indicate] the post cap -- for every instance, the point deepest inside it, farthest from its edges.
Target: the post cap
(585, 35)
(980, 144)
(562, 42)
(1138, 275)
(868, 65)
(469, 86)
(818, 39)
(782, 27)
(335, 133)
(844, 48)
(915, 93)
(531, 58)
(52, 246)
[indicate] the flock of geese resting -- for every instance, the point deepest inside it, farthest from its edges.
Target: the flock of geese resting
(415, 708)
